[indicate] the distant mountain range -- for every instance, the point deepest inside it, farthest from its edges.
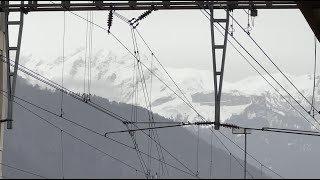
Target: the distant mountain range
(250, 102)
(33, 145)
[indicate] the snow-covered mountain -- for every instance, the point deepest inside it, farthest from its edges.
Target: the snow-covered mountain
(251, 102)
(112, 78)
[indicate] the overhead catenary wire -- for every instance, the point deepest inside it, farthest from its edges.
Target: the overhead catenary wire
(272, 61)
(145, 90)
(62, 153)
(157, 77)
(314, 77)
(268, 83)
(85, 58)
(136, 52)
(93, 105)
(24, 171)
(250, 155)
(211, 155)
(266, 72)
(198, 139)
(56, 86)
(76, 123)
(90, 55)
(63, 131)
(223, 144)
(63, 59)
(111, 139)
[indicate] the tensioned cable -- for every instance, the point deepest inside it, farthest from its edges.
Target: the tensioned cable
(143, 164)
(267, 80)
(90, 54)
(96, 106)
(96, 25)
(262, 76)
(276, 91)
(250, 155)
(314, 76)
(111, 139)
(85, 57)
(230, 152)
(198, 139)
(55, 126)
(269, 84)
(63, 59)
(145, 89)
(265, 71)
(255, 42)
(119, 42)
(24, 171)
(95, 132)
(230, 165)
(211, 155)
(56, 86)
(62, 155)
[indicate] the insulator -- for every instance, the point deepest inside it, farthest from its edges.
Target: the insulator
(226, 125)
(145, 14)
(110, 19)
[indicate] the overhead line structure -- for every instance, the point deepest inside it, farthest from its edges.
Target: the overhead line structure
(88, 129)
(267, 80)
(93, 105)
(72, 94)
(38, 6)
(261, 67)
(189, 103)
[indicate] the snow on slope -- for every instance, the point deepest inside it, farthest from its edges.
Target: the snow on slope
(112, 77)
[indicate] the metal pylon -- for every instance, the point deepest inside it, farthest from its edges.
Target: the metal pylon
(218, 71)
(12, 74)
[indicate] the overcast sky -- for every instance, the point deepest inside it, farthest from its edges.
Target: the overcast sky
(180, 39)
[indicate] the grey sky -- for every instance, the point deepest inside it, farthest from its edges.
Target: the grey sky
(179, 38)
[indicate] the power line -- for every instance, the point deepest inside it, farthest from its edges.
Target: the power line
(265, 78)
(85, 58)
(130, 53)
(229, 151)
(63, 56)
(201, 116)
(268, 72)
(190, 105)
(250, 155)
(314, 76)
(119, 42)
(255, 42)
(61, 130)
(145, 92)
(286, 131)
(62, 155)
(24, 171)
(83, 127)
(94, 105)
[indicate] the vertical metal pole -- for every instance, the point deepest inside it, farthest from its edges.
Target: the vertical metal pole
(217, 107)
(7, 59)
(15, 69)
(245, 154)
(12, 76)
(2, 84)
(220, 71)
